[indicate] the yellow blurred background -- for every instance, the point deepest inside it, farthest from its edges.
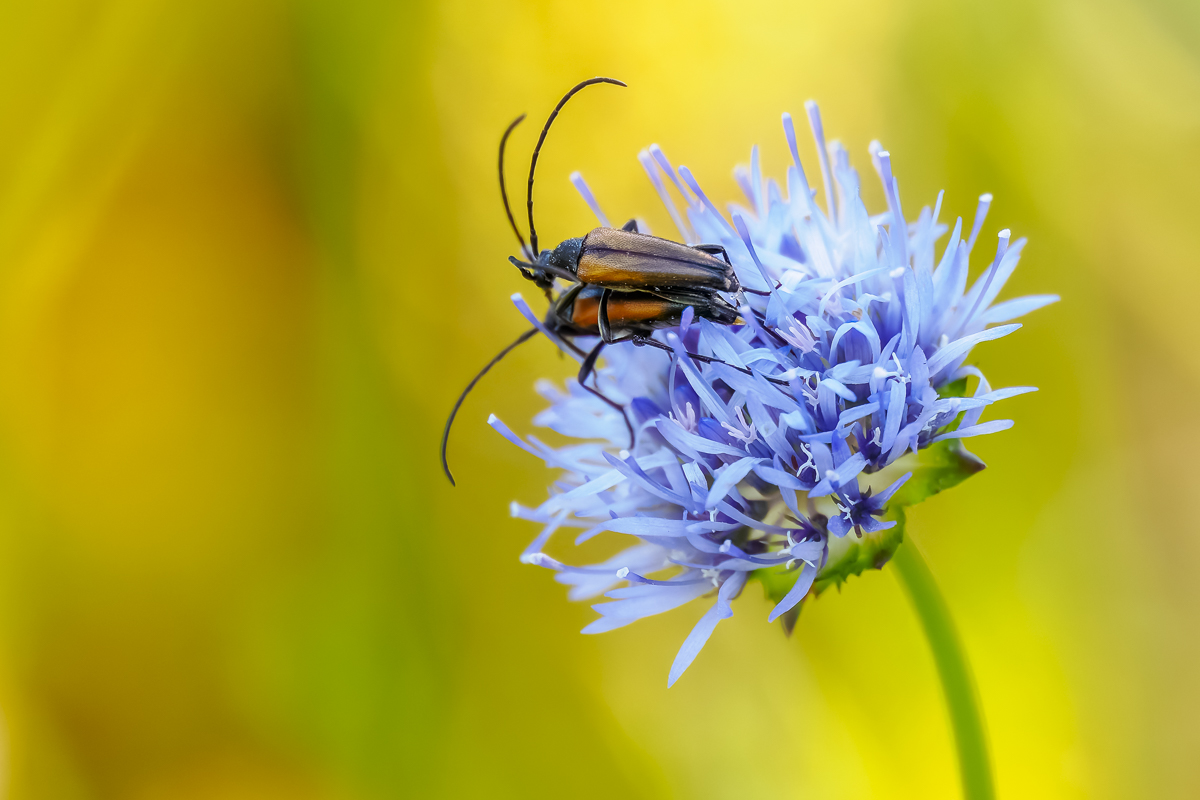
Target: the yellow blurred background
(251, 251)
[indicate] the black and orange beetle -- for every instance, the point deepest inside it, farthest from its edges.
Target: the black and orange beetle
(624, 284)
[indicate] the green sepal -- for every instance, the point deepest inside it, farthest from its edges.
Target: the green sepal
(872, 551)
(776, 581)
(937, 468)
(956, 388)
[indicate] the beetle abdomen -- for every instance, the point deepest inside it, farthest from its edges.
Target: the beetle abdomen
(642, 311)
(624, 260)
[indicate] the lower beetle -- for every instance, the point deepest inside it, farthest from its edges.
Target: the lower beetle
(624, 284)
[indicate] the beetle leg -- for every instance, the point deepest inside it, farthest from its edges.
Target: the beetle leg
(719, 250)
(589, 363)
(606, 334)
(631, 226)
(558, 320)
(585, 372)
(713, 250)
(524, 337)
(646, 340)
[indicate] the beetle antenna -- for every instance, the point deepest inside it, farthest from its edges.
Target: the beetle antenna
(533, 163)
(524, 337)
(504, 192)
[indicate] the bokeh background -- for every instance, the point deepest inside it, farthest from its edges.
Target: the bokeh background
(250, 252)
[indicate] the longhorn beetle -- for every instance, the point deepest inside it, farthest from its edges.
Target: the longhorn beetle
(624, 284)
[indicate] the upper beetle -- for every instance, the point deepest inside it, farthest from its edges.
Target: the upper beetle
(623, 259)
(619, 259)
(622, 284)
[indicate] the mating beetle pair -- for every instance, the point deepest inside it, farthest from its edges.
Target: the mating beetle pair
(624, 284)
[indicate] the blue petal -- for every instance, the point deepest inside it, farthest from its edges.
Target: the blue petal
(640, 601)
(942, 358)
(995, 426)
(887, 493)
(692, 444)
(1013, 309)
(837, 478)
(727, 478)
(641, 558)
(839, 526)
(705, 627)
(895, 416)
(796, 593)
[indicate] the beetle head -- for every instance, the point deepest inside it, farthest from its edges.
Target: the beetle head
(561, 262)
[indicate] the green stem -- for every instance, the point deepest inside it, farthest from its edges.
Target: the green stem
(961, 698)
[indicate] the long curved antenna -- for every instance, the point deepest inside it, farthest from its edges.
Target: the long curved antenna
(533, 163)
(524, 337)
(504, 192)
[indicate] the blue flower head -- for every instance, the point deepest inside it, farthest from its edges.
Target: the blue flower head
(784, 436)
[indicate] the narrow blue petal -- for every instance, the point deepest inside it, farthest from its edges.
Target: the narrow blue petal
(959, 347)
(796, 593)
(1014, 309)
(581, 186)
(837, 478)
(887, 493)
(895, 415)
(995, 426)
(705, 627)
(693, 444)
(727, 478)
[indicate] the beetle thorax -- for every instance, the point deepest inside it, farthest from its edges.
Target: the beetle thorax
(566, 255)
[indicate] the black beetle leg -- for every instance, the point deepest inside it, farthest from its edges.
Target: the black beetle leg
(630, 226)
(719, 250)
(606, 334)
(585, 372)
(713, 250)
(589, 363)
(524, 337)
(646, 340)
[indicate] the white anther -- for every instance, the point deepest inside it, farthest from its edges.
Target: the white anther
(798, 336)
(747, 432)
(809, 463)
(686, 419)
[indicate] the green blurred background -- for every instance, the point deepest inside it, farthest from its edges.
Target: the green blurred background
(250, 251)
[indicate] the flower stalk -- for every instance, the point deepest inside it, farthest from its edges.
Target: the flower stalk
(962, 700)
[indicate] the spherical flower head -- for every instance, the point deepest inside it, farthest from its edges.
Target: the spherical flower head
(763, 446)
